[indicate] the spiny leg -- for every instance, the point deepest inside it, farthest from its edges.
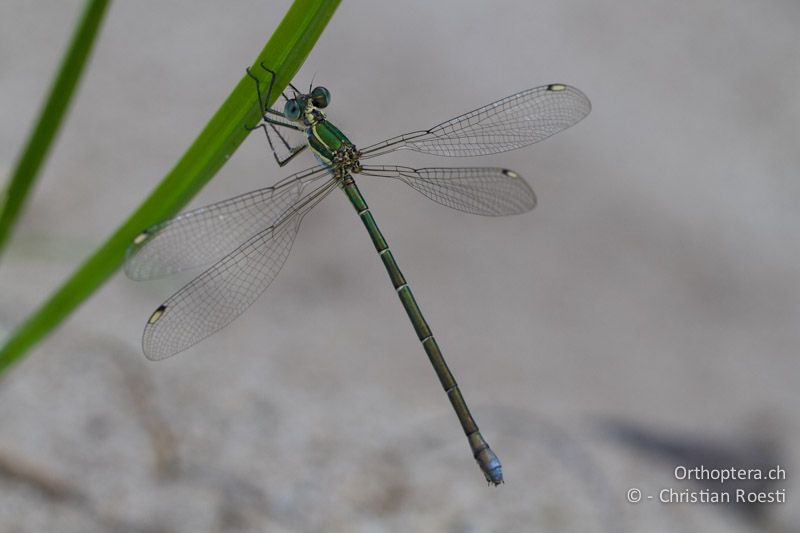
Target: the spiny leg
(264, 109)
(293, 151)
(483, 454)
(272, 73)
(282, 138)
(261, 108)
(263, 103)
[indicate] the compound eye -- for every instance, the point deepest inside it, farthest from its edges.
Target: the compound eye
(292, 110)
(321, 97)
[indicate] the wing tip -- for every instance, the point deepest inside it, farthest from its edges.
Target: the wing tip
(147, 345)
(563, 87)
(136, 245)
(529, 202)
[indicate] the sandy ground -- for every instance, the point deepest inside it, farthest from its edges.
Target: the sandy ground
(653, 294)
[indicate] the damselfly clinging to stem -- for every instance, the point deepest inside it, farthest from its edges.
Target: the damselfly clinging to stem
(246, 239)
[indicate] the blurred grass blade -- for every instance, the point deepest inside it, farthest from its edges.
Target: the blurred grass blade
(284, 53)
(13, 198)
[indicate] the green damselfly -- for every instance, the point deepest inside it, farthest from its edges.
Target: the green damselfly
(246, 239)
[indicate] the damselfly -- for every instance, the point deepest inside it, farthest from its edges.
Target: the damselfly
(246, 239)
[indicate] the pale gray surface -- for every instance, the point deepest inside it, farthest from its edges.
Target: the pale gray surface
(656, 282)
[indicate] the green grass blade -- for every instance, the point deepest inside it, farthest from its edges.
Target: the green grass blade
(13, 198)
(284, 53)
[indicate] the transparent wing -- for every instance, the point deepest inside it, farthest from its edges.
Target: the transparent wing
(216, 297)
(513, 122)
(203, 236)
(476, 190)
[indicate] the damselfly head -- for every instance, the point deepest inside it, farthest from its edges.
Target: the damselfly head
(304, 107)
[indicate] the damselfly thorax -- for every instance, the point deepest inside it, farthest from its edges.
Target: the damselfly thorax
(330, 146)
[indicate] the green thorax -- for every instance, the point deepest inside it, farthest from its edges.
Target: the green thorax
(325, 140)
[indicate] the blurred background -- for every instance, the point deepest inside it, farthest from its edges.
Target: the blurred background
(643, 316)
